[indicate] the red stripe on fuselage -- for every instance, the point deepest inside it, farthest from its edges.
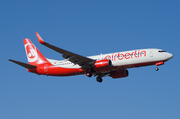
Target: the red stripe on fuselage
(56, 71)
(60, 71)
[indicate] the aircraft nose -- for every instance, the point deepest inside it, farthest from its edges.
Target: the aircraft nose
(169, 56)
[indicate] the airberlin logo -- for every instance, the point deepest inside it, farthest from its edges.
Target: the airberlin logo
(129, 55)
(31, 52)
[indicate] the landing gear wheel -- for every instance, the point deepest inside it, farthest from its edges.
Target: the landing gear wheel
(99, 79)
(88, 74)
(156, 68)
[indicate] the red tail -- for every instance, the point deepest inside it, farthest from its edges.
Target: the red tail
(34, 56)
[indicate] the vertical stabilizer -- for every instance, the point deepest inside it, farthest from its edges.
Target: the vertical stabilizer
(34, 56)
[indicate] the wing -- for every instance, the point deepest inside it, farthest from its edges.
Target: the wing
(22, 64)
(82, 61)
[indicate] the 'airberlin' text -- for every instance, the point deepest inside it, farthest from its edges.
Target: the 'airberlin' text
(120, 56)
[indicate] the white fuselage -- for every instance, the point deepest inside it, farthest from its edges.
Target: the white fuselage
(129, 59)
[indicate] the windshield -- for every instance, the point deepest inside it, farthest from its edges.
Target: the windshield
(161, 51)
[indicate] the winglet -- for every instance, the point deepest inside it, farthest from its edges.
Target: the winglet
(39, 38)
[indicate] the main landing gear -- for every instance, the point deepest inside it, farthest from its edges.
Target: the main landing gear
(89, 74)
(99, 79)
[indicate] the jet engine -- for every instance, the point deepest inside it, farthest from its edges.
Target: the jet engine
(102, 64)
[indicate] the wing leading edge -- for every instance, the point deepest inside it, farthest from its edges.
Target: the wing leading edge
(82, 61)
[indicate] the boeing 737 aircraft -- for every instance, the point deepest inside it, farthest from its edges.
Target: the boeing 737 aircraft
(114, 65)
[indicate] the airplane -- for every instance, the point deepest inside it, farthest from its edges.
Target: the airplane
(114, 65)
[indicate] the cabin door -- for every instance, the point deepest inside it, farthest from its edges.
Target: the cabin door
(151, 53)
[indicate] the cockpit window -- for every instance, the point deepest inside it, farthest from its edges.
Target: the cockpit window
(161, 51)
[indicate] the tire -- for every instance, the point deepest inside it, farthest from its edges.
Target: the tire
(99, 79)
(156, 68)
(89, 74)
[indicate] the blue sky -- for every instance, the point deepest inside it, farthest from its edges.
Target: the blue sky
(90, 28)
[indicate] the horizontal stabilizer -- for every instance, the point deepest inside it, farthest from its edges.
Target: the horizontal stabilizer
(23, 64)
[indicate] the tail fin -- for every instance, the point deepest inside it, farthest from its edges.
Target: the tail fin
(34, 56)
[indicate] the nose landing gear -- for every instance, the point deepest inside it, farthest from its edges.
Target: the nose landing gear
(156, 68)
(157, 64)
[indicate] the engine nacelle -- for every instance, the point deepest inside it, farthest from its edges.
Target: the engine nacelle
(102, 64)
(119, 73)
